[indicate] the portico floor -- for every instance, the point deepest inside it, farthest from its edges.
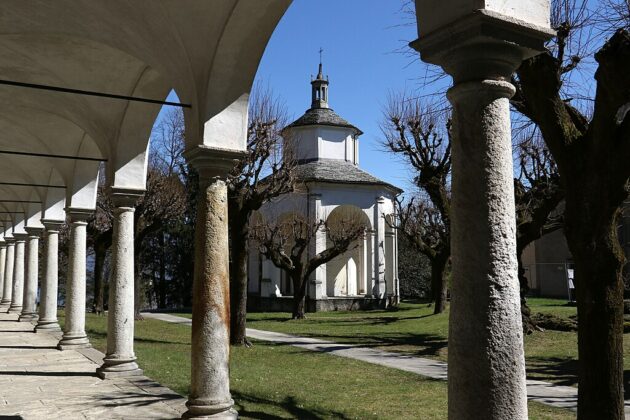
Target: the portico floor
(38, 381)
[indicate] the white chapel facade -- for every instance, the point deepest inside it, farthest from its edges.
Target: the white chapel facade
(330, 186)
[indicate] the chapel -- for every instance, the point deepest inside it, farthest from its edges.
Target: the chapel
(330, 186)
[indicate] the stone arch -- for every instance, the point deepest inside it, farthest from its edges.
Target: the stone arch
(348, 274)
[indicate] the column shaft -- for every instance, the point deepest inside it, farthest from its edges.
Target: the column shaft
(74, 327)
(379, 289)
(17, 296)
(48, 301)
(210, 380)
(3, 257)
(486, 362)
(120, 359)
(29, 312)
(8, 275)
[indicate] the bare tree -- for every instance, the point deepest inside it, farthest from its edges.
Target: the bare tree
(419, 133)
(287, 243)
(591, 146)
(537, 193)
(264, 173)
(423, 226)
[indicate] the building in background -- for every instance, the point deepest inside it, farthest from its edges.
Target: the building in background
(331, 187)
(547, 260)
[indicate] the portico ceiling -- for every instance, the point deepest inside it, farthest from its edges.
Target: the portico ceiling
(206, 50)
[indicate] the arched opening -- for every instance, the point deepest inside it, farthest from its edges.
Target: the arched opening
(349, 273)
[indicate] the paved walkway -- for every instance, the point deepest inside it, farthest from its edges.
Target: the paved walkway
(539, 391)
(37, 381)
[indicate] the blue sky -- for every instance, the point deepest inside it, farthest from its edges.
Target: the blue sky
(360, 39)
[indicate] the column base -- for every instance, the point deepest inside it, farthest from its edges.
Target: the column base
(47, 326)
(118, 368)
(225, 411)
(103, 373)
(74, 341)
(4, 305)
(15, 310)
(28, 317)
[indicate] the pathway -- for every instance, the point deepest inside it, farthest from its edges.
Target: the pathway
(539, 391)
(38, 381)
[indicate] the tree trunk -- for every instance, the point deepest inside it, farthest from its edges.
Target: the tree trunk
(238, 283)
(299, 294)
(99, 285)
(439, 285)
(137, 286)
(592, 236)
(162, 279)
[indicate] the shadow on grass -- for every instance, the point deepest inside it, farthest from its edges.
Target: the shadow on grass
(288, 404)
(103, 335)
(561, 371)
(423, 344)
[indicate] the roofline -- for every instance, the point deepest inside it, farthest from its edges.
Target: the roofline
(325, 181)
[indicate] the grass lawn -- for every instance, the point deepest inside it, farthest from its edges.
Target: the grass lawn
(414, 330)
(271, 381)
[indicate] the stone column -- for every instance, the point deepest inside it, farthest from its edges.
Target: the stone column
(29, 312)
(210, 347)
(379, 287)
(74, 327)
(7, 292)
(120, 359)
(318, 281)
(48, 299)
(3, 257)
(17, 296)
(486, 367)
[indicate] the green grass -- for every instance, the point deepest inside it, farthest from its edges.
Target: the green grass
(278, 381)
(413, 329)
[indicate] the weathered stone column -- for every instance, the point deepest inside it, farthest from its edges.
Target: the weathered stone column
(29, 312)
(8, 275)
(480, 50)
(3, 257)
(120, 359)
(210, 348)
(74, 327)
(48, 301)
(17, 296)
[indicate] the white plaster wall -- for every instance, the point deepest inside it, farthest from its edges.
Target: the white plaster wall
(322, 142)
(432, 14)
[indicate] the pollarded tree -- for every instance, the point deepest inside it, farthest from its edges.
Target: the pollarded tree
(419, 133)
(264, 173)
(414, 131)
(586, 127)
(537, 194)
(287, 243)
(592, 153)
(423, 226)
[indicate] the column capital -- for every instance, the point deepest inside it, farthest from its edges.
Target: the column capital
(20, 237)
(482, 45)
(213, 162)
(52, 225)
(9, 240)
(79, 214)
(34, 230)
(125, 197)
